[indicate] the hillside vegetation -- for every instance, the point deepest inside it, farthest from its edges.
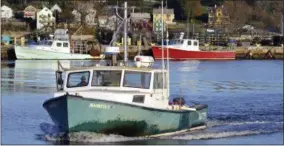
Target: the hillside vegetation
(261, 14)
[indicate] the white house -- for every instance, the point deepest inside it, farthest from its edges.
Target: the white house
(56, 7)
(6, 12)
(90, 18)
(77, 16)
(135, 17)
(30, 12)
(44, 18)
(111, 22)
(103, 21)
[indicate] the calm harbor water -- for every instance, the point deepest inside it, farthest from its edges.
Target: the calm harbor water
(245, 101)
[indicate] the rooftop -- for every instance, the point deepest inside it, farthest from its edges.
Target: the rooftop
(166, 11)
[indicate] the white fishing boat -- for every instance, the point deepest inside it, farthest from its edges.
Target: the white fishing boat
(54, 49)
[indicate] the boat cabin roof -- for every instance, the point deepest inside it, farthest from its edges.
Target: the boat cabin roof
(76, 69)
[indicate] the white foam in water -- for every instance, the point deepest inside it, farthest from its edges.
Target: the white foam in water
(52, 135)
(219, 135)
(90, 137)
(224, 123)
(254, 122)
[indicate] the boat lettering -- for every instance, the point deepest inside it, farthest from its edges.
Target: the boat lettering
(94, 105)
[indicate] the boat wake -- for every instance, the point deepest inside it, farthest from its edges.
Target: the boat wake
(52, 134)
(215, 135)
(215, 130)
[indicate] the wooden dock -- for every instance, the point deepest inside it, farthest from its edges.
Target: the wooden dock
(265, 52)
(5, 54)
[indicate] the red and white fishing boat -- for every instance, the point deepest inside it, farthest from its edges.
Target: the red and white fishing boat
(188, 49)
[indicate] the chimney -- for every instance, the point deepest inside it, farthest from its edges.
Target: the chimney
(222, 6)
(215, 5)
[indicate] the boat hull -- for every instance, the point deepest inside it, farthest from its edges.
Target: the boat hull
(74, 113)
(177, 54)
(29, 53)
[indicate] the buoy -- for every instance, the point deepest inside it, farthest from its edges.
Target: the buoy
(143, 61)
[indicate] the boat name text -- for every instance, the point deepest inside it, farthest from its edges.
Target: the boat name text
(94, 105)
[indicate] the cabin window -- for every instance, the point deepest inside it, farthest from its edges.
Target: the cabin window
(78, 79)
(138, 98)
(195, 43)
(158, 80)
(58, 44)
(65, 44)
(189, 43)
(180, 42)
(135, 79)
(106, 78)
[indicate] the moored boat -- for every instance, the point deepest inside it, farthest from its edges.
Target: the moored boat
(55, 49)
(188, 49)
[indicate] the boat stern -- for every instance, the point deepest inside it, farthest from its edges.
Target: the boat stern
(200, 116)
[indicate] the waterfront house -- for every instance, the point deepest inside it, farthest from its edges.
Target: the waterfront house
(112, 22)
(56, 8)
(90, 18)
(5, 39)
(135, 17)
(6, 12)
(77, 16)
(218, 17)
(103, 21)
(30, 12)
(45, 18)
(168, 17)
(139, 20)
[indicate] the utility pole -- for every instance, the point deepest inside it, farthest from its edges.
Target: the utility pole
(125, 33)
(125, 23)
(282, 23)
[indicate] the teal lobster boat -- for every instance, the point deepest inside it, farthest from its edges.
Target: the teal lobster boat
(123, 100)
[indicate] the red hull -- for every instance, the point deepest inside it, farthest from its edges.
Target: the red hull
(176, 54)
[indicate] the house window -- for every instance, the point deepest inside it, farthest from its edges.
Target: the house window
(195, 43)
(58, 44)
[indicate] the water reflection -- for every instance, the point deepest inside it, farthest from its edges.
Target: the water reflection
(34, 75)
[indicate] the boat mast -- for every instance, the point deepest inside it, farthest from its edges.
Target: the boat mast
(163, 63)
(125, 33)
(168, 65)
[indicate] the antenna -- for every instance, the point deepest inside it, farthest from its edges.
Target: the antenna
(163, 63)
